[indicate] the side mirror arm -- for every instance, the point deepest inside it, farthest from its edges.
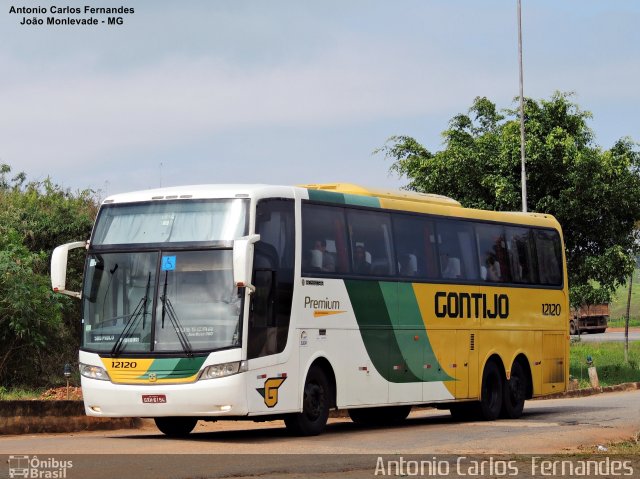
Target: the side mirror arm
(59, 268)
(243, 261)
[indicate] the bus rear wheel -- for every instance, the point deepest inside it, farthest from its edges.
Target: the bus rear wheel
(515, 392)
(176, 426)
(380, 416)
(491, 395)
(315, 405)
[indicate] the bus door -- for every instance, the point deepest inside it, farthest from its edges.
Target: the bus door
(271, 384)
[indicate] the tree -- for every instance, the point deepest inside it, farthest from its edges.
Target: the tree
(594, 193)
(39, 330)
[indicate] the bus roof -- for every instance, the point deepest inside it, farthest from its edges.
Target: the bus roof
(388, 199)
(352, 189)
(432, 203)
(200, 192)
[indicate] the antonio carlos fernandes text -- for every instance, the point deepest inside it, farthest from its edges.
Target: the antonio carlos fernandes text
(538, 467)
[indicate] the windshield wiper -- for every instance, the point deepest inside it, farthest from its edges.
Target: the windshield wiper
(129, 326)
(168, 310)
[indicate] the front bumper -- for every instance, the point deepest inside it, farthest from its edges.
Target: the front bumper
(207, 398)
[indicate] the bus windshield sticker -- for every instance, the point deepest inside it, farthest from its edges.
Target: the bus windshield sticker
(168, 263)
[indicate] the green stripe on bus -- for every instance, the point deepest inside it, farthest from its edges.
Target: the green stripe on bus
(343, 198)
(174, 368)
(374, 322)
(326, 196)
(393, 331)
(357, 200)
(413, 338)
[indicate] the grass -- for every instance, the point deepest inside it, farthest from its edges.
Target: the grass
(618, 305)
(19, 393)
(630, 447)
(619, 322)
(608, 358)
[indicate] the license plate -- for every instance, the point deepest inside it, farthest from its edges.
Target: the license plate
(154, 398)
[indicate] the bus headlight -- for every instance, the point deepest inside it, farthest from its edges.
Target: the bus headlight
(222, 370)
(94, 372)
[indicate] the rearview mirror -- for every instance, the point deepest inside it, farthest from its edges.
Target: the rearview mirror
(59, 268)
(243, 261)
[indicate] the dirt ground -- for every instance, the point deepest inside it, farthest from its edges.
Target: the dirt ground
(60, 394)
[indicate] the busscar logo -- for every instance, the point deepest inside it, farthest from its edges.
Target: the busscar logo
(270, 391)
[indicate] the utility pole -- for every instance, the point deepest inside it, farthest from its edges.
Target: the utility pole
(522, 152)
(626, 322)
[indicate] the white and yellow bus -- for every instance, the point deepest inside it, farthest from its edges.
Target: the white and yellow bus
(271, 302)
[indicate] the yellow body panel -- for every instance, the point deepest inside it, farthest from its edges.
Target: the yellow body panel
(463, 343)
(140, 371)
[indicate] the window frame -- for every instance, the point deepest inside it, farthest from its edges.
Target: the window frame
(398, 277)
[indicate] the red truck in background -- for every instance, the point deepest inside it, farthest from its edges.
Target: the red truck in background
(589, 319)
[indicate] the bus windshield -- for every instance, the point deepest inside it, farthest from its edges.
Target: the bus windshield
(171, 222)
(173, 301)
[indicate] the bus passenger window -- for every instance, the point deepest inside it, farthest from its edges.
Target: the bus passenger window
(521, 255)
(549, 257)
(414, 240)
(371, 243)
(324, 240)
(457, 248)
(494, 258)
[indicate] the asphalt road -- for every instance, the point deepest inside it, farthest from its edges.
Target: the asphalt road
(241, 449)
(615, 336)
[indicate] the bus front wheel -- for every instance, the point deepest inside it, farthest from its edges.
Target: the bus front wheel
(315, 405)
(176, 426)
(491, 399)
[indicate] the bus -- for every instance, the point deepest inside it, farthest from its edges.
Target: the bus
(276, 302)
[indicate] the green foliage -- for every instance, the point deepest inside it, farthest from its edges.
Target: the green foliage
(594, 193)
(618, 304)
(619, 321)
(608, 358)
(38, 329)
(14, 394)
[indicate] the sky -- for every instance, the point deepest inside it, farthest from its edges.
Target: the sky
(290, 91)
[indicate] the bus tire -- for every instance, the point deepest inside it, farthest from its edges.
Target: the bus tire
(491, 398)
(380, 416)
(573, 330)
(315, 405)
(176, 426)
(514, 392)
